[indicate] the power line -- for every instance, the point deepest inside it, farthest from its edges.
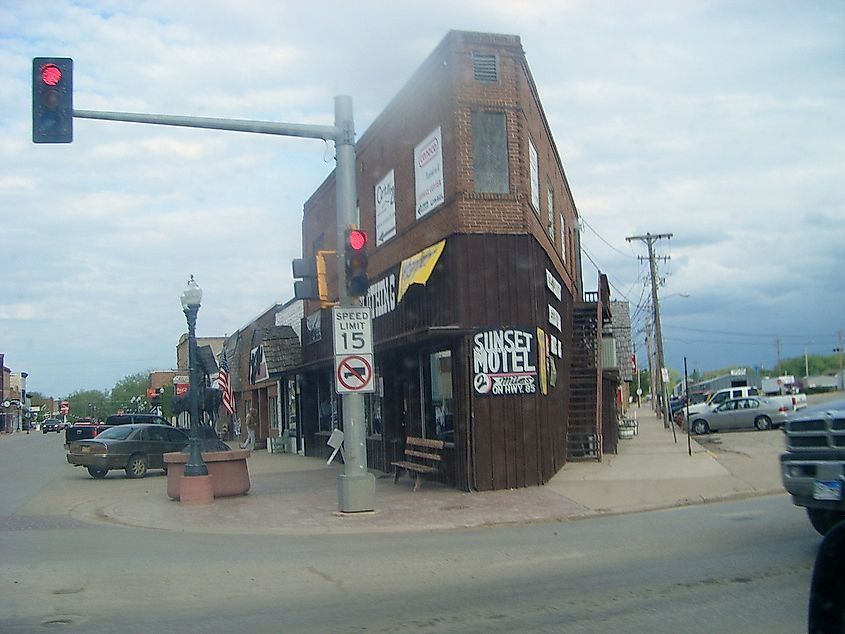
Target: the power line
(590, 227)
(750, 334)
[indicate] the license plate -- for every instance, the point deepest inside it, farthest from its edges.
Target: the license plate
(827, 490)
(88, 450)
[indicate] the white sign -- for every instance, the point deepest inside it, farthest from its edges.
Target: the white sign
(428, 173)
(554, 318)
(354, 373)
(353, 331)
(553, 285)
(385, 194)
(535, 176)
(181, 379)
(664, 373)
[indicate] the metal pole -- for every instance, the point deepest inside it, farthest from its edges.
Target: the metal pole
(195, 465)
(356, 486)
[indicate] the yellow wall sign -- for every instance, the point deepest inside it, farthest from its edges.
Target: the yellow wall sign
(418, 268)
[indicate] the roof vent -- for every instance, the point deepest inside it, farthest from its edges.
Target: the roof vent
(484, 66)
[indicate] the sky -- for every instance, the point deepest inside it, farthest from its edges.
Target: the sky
(720, 122)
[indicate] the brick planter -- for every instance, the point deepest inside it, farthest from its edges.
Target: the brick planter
(228, 470)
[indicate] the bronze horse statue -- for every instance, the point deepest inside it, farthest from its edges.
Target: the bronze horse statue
(210, 399)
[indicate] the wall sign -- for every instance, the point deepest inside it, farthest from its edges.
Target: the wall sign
(385, 194)
(381, 295)
(428, 173)
(257, 365)
(504, 362)
(554, 318)
(553, 285)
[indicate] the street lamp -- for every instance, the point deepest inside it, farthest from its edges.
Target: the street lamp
(191, 298)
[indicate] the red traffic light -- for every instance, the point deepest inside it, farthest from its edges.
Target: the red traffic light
(357, 239)
(51, 74)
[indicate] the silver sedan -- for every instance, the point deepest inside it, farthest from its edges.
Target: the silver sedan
(741, 413)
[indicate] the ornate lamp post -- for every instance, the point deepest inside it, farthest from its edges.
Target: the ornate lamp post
(191, 298)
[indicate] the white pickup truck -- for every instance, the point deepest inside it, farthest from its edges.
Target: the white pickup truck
(792, 401)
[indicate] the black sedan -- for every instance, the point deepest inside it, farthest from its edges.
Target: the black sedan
(134, 448)
(51, 424)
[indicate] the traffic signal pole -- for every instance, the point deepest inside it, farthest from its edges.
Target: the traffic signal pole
(356, 485)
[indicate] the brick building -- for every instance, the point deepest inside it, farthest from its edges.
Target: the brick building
(482, 336)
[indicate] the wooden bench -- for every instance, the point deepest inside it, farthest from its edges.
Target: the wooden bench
(422, 455)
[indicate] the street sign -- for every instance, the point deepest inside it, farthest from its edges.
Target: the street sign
(354, 374)
(64, 407)
(353, 331)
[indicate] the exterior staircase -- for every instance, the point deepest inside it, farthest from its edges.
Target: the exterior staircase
(584, 432)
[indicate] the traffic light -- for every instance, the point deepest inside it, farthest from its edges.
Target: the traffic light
(355, 251)
(312, 272)
(52, 100)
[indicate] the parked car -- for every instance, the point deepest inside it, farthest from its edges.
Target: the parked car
(51, 424)
(85, 428)
(135, 448)
(741, 413)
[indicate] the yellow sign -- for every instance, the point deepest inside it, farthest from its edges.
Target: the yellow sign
(418, 268)
(541, 360)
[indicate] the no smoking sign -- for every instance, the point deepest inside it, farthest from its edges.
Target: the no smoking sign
(354, 374)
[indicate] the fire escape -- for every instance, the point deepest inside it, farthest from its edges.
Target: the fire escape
(585, 437)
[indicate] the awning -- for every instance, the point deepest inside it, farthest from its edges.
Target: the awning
(418, 268)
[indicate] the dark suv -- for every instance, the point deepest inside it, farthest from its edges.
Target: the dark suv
(51, 424)
(85, 431)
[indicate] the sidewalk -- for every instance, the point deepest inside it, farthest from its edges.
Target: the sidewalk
(292, 494)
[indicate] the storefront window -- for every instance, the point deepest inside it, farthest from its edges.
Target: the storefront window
(373, 407)
(326, 404)
(439, 404)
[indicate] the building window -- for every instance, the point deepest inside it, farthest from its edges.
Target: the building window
(485, 67)
(550, 215)
(438, 402)
(326, 405)
(490, 152)
(273, 405)
(563, 238)
(374, 406)
(534, 174)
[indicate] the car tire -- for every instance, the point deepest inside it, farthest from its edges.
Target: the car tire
(137, 466)
(823, 519)
(763, 423)
(700, 427)
(99, 474)
(43, 431)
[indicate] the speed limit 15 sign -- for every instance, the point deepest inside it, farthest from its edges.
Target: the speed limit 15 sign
(353, 331)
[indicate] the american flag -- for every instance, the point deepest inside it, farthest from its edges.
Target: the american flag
(225, 386)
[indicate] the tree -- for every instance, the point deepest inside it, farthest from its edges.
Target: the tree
(93, 403)
(128, 387)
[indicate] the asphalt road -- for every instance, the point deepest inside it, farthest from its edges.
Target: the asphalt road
(738, 566)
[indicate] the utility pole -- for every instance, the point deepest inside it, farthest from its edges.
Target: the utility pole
(649, 240)
(838, 349)
(777, 346)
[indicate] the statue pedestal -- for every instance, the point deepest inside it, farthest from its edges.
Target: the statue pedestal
(228, 473)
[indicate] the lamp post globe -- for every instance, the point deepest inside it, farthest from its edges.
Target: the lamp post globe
(191, 299)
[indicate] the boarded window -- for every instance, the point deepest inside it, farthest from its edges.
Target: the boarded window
(490, 152)
(550, 212)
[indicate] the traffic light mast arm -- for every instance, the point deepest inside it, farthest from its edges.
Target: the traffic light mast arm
(326, 132)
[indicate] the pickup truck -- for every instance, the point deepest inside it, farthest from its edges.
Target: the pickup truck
(85, 429)
(813, 467)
